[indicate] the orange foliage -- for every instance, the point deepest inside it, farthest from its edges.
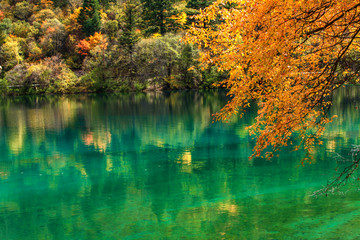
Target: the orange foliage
(84, 47)
(44, 4)
(96, 40)
(2, 16)
(285, 55)
(50, 30)
(73, 26)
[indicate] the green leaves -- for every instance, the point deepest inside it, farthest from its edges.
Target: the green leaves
(89, 17)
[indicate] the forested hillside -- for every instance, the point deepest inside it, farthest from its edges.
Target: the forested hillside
(66, 46)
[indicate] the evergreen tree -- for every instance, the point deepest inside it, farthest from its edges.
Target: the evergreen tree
(89, 17)
(129, 36)
(155, 15)
(131, 19)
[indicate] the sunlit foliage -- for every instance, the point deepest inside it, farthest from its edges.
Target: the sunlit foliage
(11, 52)
(97, 40)
(50, 75)
(288, 56)
(42, 15)
(101, 41)
(23, 10)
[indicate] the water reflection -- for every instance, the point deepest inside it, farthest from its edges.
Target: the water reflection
(152, 166)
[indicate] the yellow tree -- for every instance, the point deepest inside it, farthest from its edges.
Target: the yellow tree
(287, 56)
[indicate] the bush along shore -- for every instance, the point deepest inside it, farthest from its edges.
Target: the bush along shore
(74, 46)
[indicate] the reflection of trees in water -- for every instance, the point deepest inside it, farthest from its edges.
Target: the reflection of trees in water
(345, 106)
(97, 117)
(86, 154)
(344, 130)
(124, 164)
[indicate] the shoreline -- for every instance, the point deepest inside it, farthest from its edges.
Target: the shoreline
(146, 90)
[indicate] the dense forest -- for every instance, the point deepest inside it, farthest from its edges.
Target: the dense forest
(68, 46)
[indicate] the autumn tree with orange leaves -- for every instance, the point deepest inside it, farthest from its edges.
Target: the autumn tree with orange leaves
(287, 56)
(96, 40)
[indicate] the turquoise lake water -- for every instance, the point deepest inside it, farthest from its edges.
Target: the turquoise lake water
(153, 166)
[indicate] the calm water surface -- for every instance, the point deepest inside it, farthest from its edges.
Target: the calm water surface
(153, 166)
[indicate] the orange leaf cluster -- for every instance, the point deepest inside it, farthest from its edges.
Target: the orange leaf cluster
(50, 30)
(84, 47)
(2, 16)
(285, 55)
(46, 4)
(73, 26)
(96, 40)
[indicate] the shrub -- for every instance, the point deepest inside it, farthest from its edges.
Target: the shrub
(23, 10)
(4, 86)
(156, 58)
(164, 61)
(43, 15)
(23, 29)
(62, 79)
(39, 75)
(10, 53)
(16, 77)
(5, 26)
(50, 75)
(34, 50)
(53, 38)
(111, 27)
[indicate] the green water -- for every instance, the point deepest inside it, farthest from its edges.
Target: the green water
(152, 166)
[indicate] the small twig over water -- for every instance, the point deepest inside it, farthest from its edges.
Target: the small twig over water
(347, 177)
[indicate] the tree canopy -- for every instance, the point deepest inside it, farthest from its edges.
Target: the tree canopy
(287, 56)
(156, 13)
(89, 17)
(101, 45)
